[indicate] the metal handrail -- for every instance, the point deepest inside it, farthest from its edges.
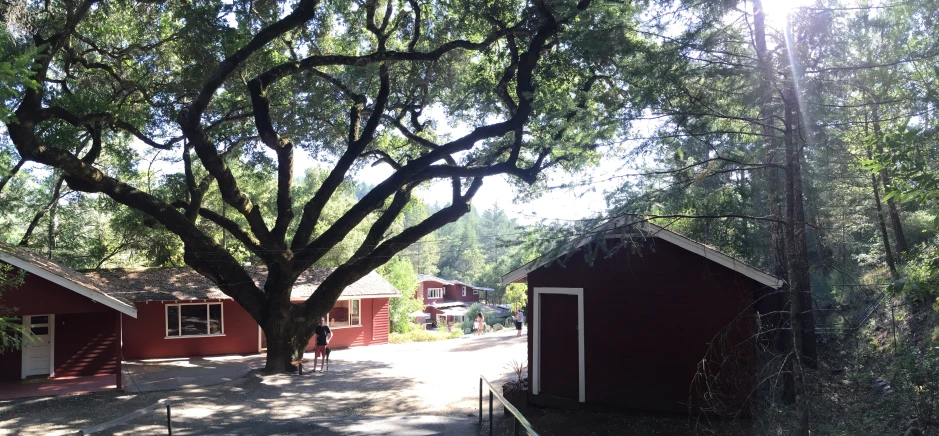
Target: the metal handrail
(517, 416)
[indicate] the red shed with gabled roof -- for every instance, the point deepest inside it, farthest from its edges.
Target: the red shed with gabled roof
(629, 329)
(76, 324)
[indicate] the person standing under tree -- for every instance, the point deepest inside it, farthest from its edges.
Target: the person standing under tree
(322, 334)
(519, 319)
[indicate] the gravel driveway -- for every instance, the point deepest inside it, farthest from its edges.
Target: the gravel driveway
(435, 378)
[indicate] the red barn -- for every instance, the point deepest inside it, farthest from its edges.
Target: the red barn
(75, 322)
(628, 329)
(446, 300)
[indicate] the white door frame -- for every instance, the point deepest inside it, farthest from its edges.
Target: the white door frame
(28, 324)
(536, 332)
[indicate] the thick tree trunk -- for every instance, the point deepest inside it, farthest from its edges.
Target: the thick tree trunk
(800, 304)
(799, 276)
(287, 331)
(801, 422)
(884, 235)
(777, 229)
(902, 246)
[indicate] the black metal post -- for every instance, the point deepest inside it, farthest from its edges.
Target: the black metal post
(300, 368)
(480, 401)
(490, 412)
(169, 422)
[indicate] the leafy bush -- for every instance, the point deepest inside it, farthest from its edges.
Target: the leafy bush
(421, 335)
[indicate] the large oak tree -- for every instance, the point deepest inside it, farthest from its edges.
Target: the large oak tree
(529, 87)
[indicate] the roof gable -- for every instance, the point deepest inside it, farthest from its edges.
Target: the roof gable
(65, 277)
(651, 230)
(429, 278)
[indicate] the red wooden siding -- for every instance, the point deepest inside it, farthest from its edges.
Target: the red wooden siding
(455, 292)
(86, 344)
(648, 319)
(145, 337)
(86, 332)
(380, 315)
(424, 286)
(374, 315)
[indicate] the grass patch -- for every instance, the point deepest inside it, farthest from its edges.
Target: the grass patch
(31, 381)
(423, 336)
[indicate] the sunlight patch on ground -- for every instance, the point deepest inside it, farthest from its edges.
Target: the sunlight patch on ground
(195, 412)
(291, 411)
(276, 379)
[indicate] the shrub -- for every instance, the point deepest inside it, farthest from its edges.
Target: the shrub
(421, 335)
(496, 327)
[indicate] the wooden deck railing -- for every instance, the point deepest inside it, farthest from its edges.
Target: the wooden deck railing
(520, 421)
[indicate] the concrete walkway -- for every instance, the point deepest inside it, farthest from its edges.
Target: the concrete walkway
(167, 374)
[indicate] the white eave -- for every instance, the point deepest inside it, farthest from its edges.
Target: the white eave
(652, 230)
(95, 296)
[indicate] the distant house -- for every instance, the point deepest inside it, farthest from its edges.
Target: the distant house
(446, 300)
(629, 330)
(87, 323)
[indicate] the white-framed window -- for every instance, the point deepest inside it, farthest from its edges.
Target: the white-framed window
(435, 293)
(194, 319)
(346, 313)
(464, 291)
(475, 291)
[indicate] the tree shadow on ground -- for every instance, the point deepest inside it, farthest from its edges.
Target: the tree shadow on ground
(348, 389)
(487, 342)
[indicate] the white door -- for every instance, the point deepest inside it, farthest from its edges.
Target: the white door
(37, 350)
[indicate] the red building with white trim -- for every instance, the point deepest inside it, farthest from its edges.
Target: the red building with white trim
(628, 330)
(87, 323)
(447, 299)
(76, 324)
(183, 314)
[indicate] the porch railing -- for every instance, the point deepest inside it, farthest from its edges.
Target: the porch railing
(520, 421)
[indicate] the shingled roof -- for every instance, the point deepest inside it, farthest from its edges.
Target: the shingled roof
(66, 277)
(184, 283)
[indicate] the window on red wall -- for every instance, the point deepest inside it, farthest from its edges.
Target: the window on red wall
(435, 293)
(345, 313)
(200, 319)
(464, 291)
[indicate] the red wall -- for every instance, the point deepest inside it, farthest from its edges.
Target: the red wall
(84, 344)
(374, 328)
(455, 292)
(145, 337)
(648, 319)
(424, 286)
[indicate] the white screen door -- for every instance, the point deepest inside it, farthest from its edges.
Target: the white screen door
(37, 351)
